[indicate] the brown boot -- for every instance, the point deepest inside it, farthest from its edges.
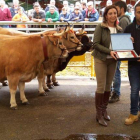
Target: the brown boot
(105, 103)
(99, 108)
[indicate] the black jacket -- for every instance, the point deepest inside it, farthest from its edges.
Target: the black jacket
(135, 33)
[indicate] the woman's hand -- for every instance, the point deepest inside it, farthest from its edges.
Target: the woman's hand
(113, 54)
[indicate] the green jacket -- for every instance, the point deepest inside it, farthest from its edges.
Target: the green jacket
(102, 40)
(54, 16)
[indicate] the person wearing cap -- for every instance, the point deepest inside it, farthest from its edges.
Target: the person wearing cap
(108, 2)
(129, 12)
(52, 15)
(91, 14)
(71, 7)
(78, 4)
(66, 5)
(14, 8)
(52, 3)
(76, 15)
(64, 16)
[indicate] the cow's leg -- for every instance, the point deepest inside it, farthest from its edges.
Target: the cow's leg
(55, 83)
(13, 83)
(45, 86)
(21, 86)
(40, 86)
(40, 77)
(49, 82)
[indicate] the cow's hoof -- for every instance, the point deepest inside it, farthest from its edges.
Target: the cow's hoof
(26, 103)
(14, 107)
(56, 84)
(4, 84)
(47, 90)
(46, 94)
(50, 86)
(42, 94)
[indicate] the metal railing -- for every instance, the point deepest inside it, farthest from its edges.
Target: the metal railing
(30, 29)
(55, 24)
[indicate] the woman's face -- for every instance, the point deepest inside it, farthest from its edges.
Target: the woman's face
(111, 15)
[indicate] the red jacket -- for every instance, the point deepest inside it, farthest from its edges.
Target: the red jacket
(5, 15)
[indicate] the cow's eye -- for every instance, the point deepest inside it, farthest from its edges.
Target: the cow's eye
(72, 37)
(60, 43)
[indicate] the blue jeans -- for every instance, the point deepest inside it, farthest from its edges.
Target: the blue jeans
(134, 78)
(117, 79)
(4, 26)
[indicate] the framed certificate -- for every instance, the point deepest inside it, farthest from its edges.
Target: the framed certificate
(123, 46)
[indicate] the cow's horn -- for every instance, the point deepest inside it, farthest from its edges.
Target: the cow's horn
(67, 27)
(58, 34)
(71, 27)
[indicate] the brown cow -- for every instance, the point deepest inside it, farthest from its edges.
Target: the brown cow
(21, 59)
(69, 40)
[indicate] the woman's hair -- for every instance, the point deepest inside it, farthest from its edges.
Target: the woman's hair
(106, 12)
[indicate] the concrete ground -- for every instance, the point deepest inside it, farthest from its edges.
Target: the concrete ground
(68, 109)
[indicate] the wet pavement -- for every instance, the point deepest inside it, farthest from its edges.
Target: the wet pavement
(67, 113)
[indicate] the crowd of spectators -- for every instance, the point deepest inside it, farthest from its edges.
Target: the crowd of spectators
(79, 12)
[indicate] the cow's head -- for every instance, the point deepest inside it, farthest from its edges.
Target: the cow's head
(70, 40)
(56, 41)
(85, 40)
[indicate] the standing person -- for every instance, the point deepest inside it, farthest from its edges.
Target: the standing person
(108, 2)
(134, 69)
(52, 3)
(91, 14)
(104, 60)
(38, 15)
(64, 16)
(66, 5)
(14, 8)
(5, 14)
(76, 15)
(20, 16)
(129, 12)
(124, 20)
(52, 15)
(84, 7)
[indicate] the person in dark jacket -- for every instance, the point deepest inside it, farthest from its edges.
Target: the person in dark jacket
(91, 14)
(134, 69)
(124, 20)
(64, 16)
(76, 15)
(105, 61)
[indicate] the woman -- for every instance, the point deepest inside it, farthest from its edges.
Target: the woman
(105, 61)
(20, 16)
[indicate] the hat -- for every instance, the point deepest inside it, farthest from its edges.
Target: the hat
(76, 7)
(90, 3)
(65, 2)
(109, 2)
